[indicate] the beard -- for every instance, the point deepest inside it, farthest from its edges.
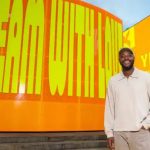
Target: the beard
(127, 68)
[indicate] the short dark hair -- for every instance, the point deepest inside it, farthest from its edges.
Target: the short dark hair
(125, 49)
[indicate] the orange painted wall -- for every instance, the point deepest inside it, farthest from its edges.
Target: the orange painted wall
(56, 58)
(137, 37)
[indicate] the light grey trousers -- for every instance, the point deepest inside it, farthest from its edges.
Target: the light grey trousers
(134, 140)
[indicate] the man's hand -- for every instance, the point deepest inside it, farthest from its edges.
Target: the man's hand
(143, 127)
(110, 142)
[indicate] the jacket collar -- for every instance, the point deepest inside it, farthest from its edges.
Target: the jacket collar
(133, 75)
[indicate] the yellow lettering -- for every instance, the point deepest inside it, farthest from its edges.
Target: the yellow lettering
(116, 62)
(79, 29)
(33, 39)
(4, 11)
(120, 43)
(13, 48)
(101, 70)
(89, 53)
(144, 60)
(2, 59)
(71, 50)
(108, 53)
(113, 46)
(58, 67)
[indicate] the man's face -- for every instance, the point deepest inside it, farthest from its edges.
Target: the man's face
(126, 60)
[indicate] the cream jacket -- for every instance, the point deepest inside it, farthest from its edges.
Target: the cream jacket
(127, 105)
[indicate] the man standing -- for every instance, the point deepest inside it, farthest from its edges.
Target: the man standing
(127, 109)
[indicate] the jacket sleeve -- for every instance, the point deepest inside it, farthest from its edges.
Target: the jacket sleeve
(109, 112)
(146, 122)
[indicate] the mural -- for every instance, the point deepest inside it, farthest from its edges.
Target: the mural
(56, 57)
(137, 37)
